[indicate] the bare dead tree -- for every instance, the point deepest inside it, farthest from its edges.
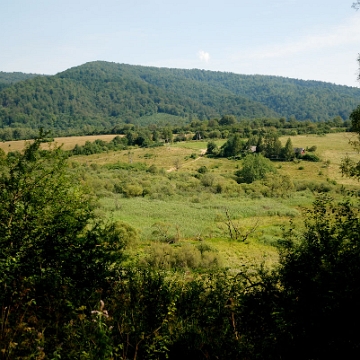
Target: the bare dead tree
(234, 228)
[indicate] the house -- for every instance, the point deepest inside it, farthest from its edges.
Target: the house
(299, 151)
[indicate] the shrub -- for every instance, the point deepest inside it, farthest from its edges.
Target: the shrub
(152, 169)
(208, 180)
(131, 190)
(310, 157)
(165, 256)
(202, 170)
(254, 167)
(312, 148)
(54, 256)
(212, 148)
(278, 185)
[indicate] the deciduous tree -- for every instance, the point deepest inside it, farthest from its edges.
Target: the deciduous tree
(54, 256)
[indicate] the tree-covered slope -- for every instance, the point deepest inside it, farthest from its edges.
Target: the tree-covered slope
(7, 79)
(101, 94)
(312, 100)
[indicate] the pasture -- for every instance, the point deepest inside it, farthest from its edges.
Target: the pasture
(191, 208)
(166, 200)
(67, 143)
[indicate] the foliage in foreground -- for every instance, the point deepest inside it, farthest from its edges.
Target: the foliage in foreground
(65, 295)
(54, 257)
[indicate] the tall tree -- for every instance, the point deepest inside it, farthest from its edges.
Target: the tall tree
(272, 146)
(233, 146)
(287, 152)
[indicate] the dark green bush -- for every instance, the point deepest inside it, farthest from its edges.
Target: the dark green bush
(254, 167)
(202, 169)
(310, 157)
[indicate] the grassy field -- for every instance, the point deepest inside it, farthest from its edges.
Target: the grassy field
(190, 207)
(187, 156)
(68, 143)
(331, 148)
(197, 213)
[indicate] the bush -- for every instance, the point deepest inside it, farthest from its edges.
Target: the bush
(278, 185)
(153, 169)
(312, 148)
(165, 256)
(310, 157)
(212, 148)
(54, 256)
(202, 170)
(312, 296)
(132, 190)
(254, 167)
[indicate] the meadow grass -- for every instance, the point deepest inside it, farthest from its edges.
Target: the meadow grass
(330, 147)
(198, 144)
(199, 214)
(205, 218)
(67, 143)
(205, 221)
(187, 156)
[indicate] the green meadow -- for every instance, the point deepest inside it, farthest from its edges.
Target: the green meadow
(162, 193)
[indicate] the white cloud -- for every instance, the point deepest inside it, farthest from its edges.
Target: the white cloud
(204, 56)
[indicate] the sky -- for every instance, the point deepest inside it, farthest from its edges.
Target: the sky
(302, 39)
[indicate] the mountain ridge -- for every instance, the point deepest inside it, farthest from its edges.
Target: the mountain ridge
(103, 94)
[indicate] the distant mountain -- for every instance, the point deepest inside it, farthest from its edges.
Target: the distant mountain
(102, 94)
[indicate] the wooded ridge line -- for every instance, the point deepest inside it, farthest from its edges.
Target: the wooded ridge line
(101, 95)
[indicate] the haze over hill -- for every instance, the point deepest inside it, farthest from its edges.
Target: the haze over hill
(99, 95)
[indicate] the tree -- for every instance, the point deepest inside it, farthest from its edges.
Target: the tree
(306, 307)
(254, 167)
(54, 255)
(287, 152)
(321, 273)
(252, 141)
(260, 145)
(212, 148)
(355, 120)
(348, 166)
(233, 146)
(227, 120)
(167, 135)
(272, 146)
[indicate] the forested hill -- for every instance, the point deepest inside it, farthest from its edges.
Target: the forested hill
(7, 79)
(101, 94)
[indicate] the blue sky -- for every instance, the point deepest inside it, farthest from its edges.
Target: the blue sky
(311, 40)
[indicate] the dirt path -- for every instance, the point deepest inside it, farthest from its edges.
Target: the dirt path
(202, 153)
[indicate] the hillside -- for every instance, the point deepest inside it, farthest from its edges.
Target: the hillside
(7, 79)
(98, 95)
